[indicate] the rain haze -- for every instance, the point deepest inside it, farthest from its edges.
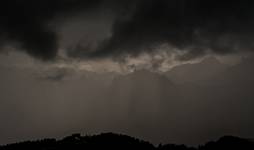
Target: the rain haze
(166, 71)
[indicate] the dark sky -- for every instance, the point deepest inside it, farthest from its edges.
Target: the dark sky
(164, 70)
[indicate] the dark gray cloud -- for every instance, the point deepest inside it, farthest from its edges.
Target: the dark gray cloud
(196, 26)
(25, 24)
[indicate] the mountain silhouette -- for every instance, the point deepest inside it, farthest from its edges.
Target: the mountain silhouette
(124, 142)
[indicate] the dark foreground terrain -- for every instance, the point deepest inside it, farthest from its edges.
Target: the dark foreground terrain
(109, 141)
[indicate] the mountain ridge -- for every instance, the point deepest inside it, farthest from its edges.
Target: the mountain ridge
(121, 141)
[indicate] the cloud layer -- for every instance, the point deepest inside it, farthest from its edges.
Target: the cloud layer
(25, 24)
(193, 27)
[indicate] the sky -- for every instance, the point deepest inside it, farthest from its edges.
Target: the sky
(169, 71)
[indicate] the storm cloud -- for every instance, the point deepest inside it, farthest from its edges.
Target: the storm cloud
(194, 27)
(25, 25)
